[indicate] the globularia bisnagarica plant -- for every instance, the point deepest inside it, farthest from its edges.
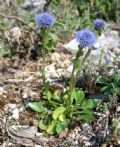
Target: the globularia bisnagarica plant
(44, 21)
(58, 109)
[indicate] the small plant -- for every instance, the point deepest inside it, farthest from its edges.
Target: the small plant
(85, 38)
(56, 114)
(44, 21)
(110, 85)
(58, 109)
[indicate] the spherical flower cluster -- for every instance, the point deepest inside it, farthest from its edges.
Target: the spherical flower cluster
(86, 38)
(44, 20)
(99, 24)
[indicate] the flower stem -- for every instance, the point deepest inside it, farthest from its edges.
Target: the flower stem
(45, 41)
(71, 87)
(43, 67)
(82, 63)
(74, 76)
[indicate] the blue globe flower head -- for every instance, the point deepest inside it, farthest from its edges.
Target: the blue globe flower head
(44, 20)
(86, 38)
(99, 24)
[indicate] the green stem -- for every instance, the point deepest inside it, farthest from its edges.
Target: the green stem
(82, 63)
(74, 77)
(45, 41)
(43, 67)
(71, 87)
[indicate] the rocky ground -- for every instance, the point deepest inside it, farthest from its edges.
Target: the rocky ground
(20, 83)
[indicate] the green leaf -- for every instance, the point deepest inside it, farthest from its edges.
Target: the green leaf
(51, 129)
(50, 46)
(87, 111)
(36, 106)
(85, 114)
(47, 95)
(79, 96)
(66, 96)
(60, 25)
(103, 80)
(61, 127)
(58, 111)
(42, 114)
(85, 117)
(88, 104)
(53, 104)
(42, 125)
(103, 89)
(54, 37)
(56, 96)
(62, 117)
